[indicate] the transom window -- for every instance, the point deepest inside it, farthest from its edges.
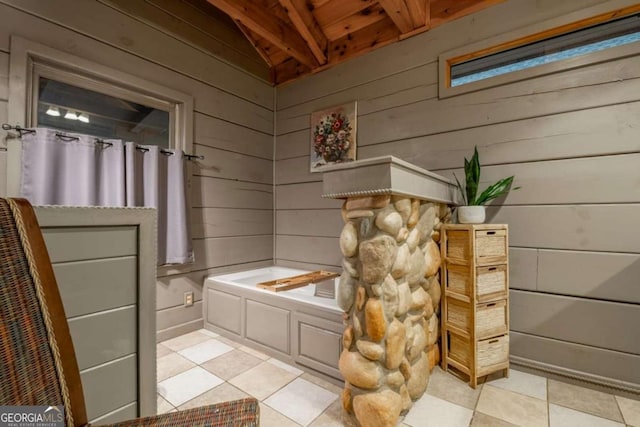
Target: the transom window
(593, 39)
(75, 109)
(538, 50)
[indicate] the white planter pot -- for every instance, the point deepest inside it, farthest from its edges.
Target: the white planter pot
(471, 214)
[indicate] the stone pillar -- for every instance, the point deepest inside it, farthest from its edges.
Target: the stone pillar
(390, 292)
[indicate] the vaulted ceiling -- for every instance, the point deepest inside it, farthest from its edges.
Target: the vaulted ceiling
(298, 37)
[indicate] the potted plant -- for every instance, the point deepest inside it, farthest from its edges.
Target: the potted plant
(473, 211)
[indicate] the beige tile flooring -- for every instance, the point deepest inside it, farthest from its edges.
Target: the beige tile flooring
(202, 368)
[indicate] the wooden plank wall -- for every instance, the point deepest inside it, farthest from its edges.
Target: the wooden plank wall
(572, 140)
(98, 281)
(232, 190)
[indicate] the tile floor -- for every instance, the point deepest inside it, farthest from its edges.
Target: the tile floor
(202, 368)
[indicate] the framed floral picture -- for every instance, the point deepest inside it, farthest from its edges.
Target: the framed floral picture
(333, 136)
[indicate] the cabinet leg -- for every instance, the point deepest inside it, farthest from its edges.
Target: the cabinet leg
(505, 372)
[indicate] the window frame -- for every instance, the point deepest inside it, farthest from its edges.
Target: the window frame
(30, 60)
(533, 33)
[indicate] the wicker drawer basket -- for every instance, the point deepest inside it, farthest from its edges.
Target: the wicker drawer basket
(488, 245)
(490, 319)
(491, 281)
(460, 349)
(491, 246)
(492, 353)
(459, 315)
(458, 245)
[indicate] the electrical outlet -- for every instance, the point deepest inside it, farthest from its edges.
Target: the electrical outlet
(188, 299)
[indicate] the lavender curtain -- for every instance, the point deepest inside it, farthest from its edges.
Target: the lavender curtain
(156, 178)
(57, 170)
(60, 170)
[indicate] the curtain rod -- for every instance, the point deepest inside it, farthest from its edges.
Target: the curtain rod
(23, 131)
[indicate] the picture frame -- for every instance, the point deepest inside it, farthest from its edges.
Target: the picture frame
(333, 136)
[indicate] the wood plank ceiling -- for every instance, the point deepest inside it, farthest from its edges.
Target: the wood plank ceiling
(297, 37)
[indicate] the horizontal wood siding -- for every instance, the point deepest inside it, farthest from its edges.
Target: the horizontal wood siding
(178, 315)
(225, 222)
(84, 243)
(231, 189)
(126, 412)
(97, 273)
(579, 320)
(101, 337)
(576, 357)
(599, 275)
(97, 285)
(572, 227)
(571, 138)
(316, 250)
(113, 384)
(317, 222)
(523, 268)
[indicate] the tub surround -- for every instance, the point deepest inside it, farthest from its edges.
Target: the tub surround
(296, 326)
(389, 289)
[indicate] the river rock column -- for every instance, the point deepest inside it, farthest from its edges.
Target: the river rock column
(390, 292)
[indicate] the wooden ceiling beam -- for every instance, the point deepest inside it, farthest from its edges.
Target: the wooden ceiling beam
(360, 42)
(307, 26)
(399, 14)
(254, 43)
(262, 22)
(427, 13)
(332, 11)
(355, 22)
(418, 12)
(426, 25)
(289, 70)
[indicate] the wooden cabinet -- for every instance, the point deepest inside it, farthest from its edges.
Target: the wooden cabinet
(475, 303)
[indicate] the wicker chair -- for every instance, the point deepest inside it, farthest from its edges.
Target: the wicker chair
(37, 360)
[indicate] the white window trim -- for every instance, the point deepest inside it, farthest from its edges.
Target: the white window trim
(445, 91)
(28, 59)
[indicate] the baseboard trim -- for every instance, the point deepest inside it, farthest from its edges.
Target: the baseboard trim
(609, 385)
(176, 331)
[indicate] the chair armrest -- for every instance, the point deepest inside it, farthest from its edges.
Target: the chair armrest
(243, 412)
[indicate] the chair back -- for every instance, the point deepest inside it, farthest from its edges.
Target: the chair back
(37, 361)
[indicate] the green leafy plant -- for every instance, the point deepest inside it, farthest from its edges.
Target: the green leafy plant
(472, 175)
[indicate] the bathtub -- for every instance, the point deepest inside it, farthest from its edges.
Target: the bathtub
(305, 294)
(295, 326)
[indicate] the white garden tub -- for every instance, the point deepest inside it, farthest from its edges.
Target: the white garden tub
(295, 326)
(304, 294)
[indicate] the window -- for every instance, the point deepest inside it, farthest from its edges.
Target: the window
(70, 108)
(581, 42)
(527, 56)
(55, 89)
